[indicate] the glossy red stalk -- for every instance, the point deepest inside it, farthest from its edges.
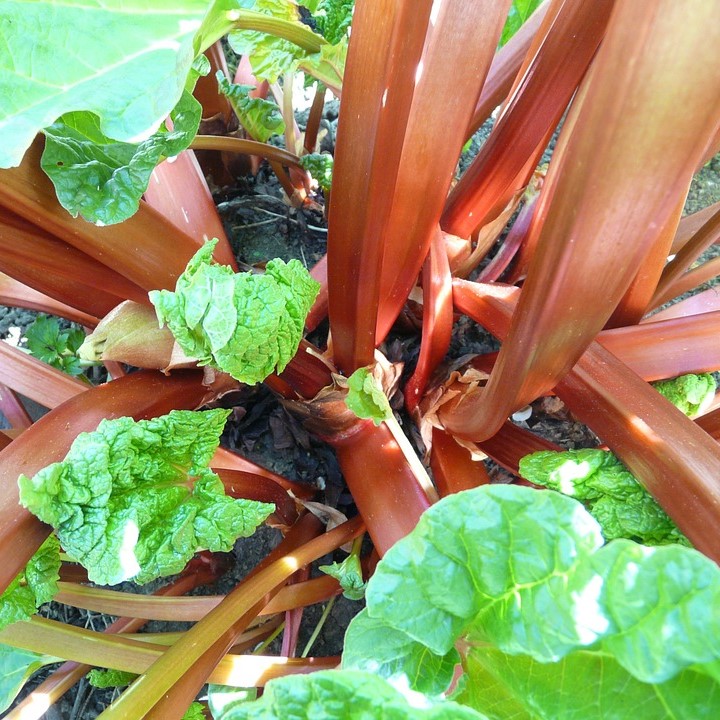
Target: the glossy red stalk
(437, 320)
(596, 217)
(15, 294)
(453, 468)
(462, 37)
(706, 236)
(520, 134)
(505, 67)
(385, 49)
(37, 258)
(147, 249)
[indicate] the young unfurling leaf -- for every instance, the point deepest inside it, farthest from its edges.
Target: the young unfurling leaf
(246, 324)
(320, 166)
(261, 118)
(55, 346)
(136, 500)
(349, 574)
(366, 398)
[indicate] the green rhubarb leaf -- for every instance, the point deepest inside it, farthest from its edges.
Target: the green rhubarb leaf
(109, 677)
(223, 698)
(587, 685)
(366, 398)
(34, 586)
(520, 11)
(102, 179)
(522, 579)
(610, 492)
(270, 56)
(194, 712)
(136, 500)
(341, 695)
(349, 574)
(374, 646)
(124, 61)
(327, 65)
(16, 668)
(332, 18)
(688, 393)
(55, 346)
(320, 166)
(246, 324)
(261, 118)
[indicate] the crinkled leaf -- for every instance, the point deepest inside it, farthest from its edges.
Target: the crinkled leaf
(123, 60)
(320, 166)
(16, 668)
(136, 500)
(366, 398)
(341, 695)
(261, 118)
(55, 346)
(269, 56)
(349, 574)
(523, 577)
(332, 18)
(373, 646)
(109, 677)
(102, 179)
(194, 712)
(689, 393)
(245, 324)
(610, 492)
(586, 685)
(34, 586)
(520, 11)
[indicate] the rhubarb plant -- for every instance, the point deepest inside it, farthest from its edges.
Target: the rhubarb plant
(496, 601)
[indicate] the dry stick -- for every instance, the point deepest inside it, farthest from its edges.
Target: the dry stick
(171, 683)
